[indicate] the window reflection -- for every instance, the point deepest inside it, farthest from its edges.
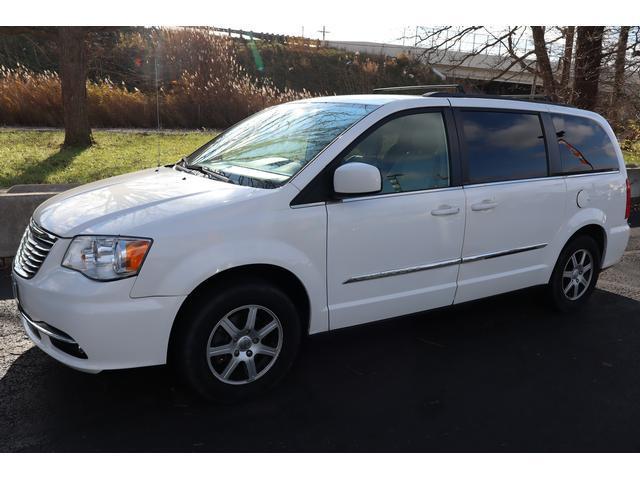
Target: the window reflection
(503, 146)
(410, 152)
(584, 145)
(268, 148)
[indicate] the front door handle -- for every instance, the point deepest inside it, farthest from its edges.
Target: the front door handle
(484, 205)
(443, 210)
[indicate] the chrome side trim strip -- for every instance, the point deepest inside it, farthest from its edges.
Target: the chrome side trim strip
(401, 271)
(43, 329)
(445, 263)
(502, 253)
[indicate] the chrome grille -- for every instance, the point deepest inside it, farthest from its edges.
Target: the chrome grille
(33, 250)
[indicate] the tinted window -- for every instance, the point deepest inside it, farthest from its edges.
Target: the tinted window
(584, 145)
(410, 152)
(503, 146)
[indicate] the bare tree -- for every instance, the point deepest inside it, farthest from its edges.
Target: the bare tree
(543, 64)
(574, 64)
(569, 33)
(512, 59)
(588, 61)
(619, 67)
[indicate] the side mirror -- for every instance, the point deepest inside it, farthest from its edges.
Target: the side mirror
(357, 177)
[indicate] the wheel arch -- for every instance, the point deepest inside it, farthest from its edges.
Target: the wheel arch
(595, 231)
(289, 282)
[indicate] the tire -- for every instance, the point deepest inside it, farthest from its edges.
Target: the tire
(215, 346)
(567, 289)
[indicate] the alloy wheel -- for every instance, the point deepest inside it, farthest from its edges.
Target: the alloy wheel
(244, 344)
(577, 274)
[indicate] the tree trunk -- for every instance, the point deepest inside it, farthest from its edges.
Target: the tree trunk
(587, 66)
(566, 62)
(618, 80)
(73, 75)
(543, 64)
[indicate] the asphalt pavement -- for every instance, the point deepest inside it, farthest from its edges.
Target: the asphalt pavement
(501, 374)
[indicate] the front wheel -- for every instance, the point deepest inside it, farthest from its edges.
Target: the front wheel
(575, 274)
(238, 342)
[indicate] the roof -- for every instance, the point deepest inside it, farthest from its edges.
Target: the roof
(382, 99)
(455, 99)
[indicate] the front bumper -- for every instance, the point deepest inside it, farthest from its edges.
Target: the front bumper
(69, 317)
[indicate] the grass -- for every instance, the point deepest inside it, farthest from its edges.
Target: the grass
(30, 156)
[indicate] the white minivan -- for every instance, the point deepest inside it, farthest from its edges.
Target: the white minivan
(317, 215)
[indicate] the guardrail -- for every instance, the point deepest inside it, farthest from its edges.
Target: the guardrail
(634, 178)
(17, 205)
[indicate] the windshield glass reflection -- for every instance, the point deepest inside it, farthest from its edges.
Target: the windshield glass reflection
(270, 147)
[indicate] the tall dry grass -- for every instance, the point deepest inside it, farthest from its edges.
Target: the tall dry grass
(29, 99)
(202, 85)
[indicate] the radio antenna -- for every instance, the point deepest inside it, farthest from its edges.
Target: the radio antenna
(155, 60)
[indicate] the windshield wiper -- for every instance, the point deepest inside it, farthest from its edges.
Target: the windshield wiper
(215, 174)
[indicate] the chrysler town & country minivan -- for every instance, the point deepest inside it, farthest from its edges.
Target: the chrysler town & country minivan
(317, 215)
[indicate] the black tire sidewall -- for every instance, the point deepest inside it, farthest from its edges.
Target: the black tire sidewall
(190, 348)
(560, 301)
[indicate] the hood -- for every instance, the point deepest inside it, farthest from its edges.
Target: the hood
(122, 205)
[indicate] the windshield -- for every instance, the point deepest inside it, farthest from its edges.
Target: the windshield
(271, 146)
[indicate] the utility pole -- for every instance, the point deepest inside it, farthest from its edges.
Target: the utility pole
(324, 32)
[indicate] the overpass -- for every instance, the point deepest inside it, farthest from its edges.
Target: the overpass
(449, 64)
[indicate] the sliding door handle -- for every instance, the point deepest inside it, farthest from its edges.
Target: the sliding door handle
(443, 210)
(484, 205)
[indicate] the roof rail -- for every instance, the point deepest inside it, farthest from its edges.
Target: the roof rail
(438, 90)
(521, 98)
(420, 88)
(533, 96)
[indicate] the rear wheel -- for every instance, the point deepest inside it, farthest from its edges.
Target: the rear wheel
(237, 343)
(575, 274)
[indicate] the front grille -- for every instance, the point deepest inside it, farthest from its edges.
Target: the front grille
(33, 250)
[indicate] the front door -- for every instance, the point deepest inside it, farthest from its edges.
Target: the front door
(398, 251)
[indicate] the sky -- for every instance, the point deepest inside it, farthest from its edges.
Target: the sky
(346, 19)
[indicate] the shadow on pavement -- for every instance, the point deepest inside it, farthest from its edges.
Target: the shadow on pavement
(503, 374)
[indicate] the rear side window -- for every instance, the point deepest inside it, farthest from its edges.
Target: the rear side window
(410, 152)
(503, 146)
(584, 145)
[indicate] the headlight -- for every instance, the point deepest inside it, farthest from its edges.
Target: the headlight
(106, 258)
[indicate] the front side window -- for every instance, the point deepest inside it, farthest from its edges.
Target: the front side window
(503, 146)
(410, 152)
(584, 145)
(270, 147)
